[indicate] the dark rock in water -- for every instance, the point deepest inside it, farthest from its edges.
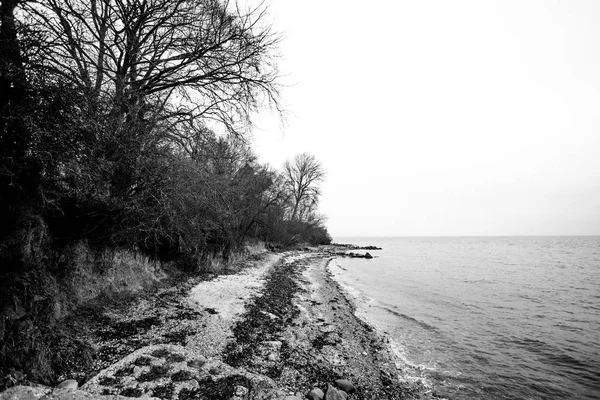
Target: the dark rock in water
(371, 248)
(315, 394)
(345, 385)
(368, 255)
(333, 394)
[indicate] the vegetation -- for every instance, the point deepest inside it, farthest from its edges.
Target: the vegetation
(123, 127)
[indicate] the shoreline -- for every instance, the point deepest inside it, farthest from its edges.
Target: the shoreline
(290, 330)
(410, 372)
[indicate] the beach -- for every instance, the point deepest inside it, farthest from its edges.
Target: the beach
(278, 327)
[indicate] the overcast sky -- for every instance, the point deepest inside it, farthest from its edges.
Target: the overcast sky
(444, 117)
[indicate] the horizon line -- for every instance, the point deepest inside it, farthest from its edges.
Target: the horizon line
(459, 236)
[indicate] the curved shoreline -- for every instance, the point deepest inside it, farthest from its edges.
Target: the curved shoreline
(324, 340)
(409, 371)
(297, 330)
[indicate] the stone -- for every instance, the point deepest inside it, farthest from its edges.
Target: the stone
(272, 357)
(368, 255)
(345, 385)
(24, 393)
(333, 394)
(292, 398)
(241, 391)
(315, 394)
(299, 395)
(68, 384)
(270, 315)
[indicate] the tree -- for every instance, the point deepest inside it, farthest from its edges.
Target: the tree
(187, 58)
(302, 177)
(151, 69)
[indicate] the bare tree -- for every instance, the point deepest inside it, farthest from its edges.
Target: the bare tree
(302, 176)
(157, 72)
(190, 59)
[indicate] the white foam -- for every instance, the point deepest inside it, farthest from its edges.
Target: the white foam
(411, 372)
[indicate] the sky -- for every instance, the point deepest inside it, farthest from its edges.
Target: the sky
(443, 118)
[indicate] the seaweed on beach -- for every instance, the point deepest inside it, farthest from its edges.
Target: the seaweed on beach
(266, 317)
(219, 389)
(120, 329)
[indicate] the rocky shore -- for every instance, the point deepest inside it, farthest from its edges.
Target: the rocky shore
(279, 328)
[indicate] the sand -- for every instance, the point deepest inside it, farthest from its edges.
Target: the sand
(280, 326)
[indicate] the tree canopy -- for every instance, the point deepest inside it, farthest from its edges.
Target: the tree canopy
(109, 127)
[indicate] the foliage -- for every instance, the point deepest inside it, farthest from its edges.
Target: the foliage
(109, 135)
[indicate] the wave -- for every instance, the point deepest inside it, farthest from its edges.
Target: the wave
(411, 319)
(554, 355)
(411, 372)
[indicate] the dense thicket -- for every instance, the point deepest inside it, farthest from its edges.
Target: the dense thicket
(106, 129)
(108, 119)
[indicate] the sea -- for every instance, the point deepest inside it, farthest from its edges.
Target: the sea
(484, 317)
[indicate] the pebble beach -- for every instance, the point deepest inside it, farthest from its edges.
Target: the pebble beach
(279, 327)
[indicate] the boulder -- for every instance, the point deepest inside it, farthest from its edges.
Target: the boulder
(333, 394)
(315, 394)
(368, 255)
(345, 385)
(68, 384)
(24, 393)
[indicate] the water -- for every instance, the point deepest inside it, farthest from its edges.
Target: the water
(486, 318)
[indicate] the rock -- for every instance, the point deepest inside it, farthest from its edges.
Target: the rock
(68, 384)
(299, 395)
(333, 394)
(183, 375)
(315, 394)
(345, 385)
(46, 393)
(24, 393)
(292, 398)
(241, 391)
(368, 255)
(270, 315)
(344, 394)
(272, 357)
